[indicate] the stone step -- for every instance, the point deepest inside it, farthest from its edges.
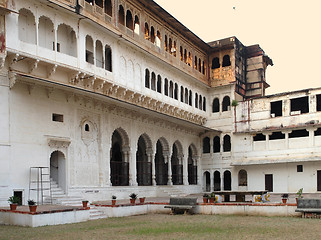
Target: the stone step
(95, 213)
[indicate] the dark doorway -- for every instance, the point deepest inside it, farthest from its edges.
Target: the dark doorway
(319, 180)
(217, 181)
(269, 182)
(160, 165)
(177, 168)
(207, 181)
(192, 168)
(227, 184)
(143, 166)
(118, 167)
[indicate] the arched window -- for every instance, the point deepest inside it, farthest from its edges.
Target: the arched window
(89, 50)
(108, 59)
(185, 56)
(146, 31)
(147, 76)
(227, 183)
(203, 68)
(86, 127)
(27, 26)
(46, 33)
(165, 44)
(166, 87)
(217, 144)
(226, 61)
(108, 7)
(196, 100)
(182, 94)
(152, 34)
(195, 62)
(200, 102)
(216, 105)
(129, 20)
(158, 39)
(190, 98)
(99, 54)
(204, 104)
(206, 145)
(216, 63)
(176, 91)
(170, 45)
(136, 25)
(227, 143)
(242, 178)
(199, 65)
(153, 82)
(217, 181)
(174, 50)
(181, 53)
(171, 89)
(121, 15)
(66, 40)
(226, 104)
(189, 59)
(186, 96)
(159, 84)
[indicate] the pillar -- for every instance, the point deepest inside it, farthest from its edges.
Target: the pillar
(169, 168)
(184, 158)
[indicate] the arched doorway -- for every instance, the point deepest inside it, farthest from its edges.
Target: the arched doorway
(207, 180)
(161, 168)
(177, 167)
(227, 183)
(242, 177)
(143, 165)
(119, 168)
(58, 169)
(192, 166)
(217, 181)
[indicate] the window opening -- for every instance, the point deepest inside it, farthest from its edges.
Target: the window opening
(153, 81)
(189, 59)
(216, 105)
(190, 98)
(46, 33)
(66, 40)
(227, 143)
(226, 104)
(300, 105)
(27, 26)
(299, 168)
(121, 15)
(166, 87)
(317, 132)
(299, 133)
(216, 63)
(195, 62)
(217, 144)
(242, 178)
(99, 54)
(18, 194)
(206, 145)
(226, 61)
(170, 45)
(136, 25)
(171, 89)
(146, 31)
(196, 100)
(158, 39)
(217, 181)
(319, 102)
(129, 20)
(276, 109)
(277, 135)
(108, 58)
(152, 34)
(86, 127)
(108, 7)
(204, 104)
(174, 50)
(269, 182)
(186, 96)
(199, 65)
(99, 3)
(159, 84)
(89, 50)
(203, 68)
(165, 44)
(57, 117)
(147, 78)
(182, 94)
(181, 53)
(185, 56)
(200, 102)
(176, 91)
(259, 137)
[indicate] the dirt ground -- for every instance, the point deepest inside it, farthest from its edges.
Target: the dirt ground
(164, 226)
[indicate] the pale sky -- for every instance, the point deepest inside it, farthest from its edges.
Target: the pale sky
(287, 30)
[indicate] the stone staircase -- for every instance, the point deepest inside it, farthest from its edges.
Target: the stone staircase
(95, 213)
(171, 191)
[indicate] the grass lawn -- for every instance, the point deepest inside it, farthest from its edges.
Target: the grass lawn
(162, 226)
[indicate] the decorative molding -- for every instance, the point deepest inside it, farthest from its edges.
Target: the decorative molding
(58, 142)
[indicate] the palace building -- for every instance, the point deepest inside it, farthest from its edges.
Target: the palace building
(110, 97)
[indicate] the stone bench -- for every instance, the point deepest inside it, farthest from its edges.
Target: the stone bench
(309, 207)
(181, 205)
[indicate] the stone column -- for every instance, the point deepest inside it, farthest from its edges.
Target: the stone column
(198, 172)
(169, 168)
(151, 158)
(108, 170)
(222, 179)
(132, 167)
(286, 133)
(184, 160)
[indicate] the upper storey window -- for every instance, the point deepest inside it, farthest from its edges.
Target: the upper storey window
(66, 40)
(129, 20)
(46, 33)
(299, 105)
(121, 15)
(226, 104)
(108, 58)
(152, 34)
(89, 50)
(99, 54)
(226, 61)
(215, 63)
(146, 31)
(108, 8)
(216, 105)
(158, 39)
(27, 26)
(99, 3)
(136, 25)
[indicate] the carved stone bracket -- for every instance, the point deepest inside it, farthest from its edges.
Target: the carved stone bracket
(57, 142)
(12, 79)
(51, 70)
(33, 65)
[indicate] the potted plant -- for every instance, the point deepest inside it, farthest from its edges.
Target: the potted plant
(212, 197)
(113, 200)
(13, 200)
(142, 199)
(133, 197)
(84, 203)
(32, 205)
(205, 198)
(285, 197)
(299, 194)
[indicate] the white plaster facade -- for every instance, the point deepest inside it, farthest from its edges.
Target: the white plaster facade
(74, 82)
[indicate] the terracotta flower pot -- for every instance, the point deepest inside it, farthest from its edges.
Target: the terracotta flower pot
(284, 200)
(13, 206)
(142, 200)
(32, 208)
(132, 201)
(212, 200)
(113, 202)
(205, 200)
(84, 204)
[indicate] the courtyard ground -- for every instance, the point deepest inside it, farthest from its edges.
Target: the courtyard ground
(165, 226)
